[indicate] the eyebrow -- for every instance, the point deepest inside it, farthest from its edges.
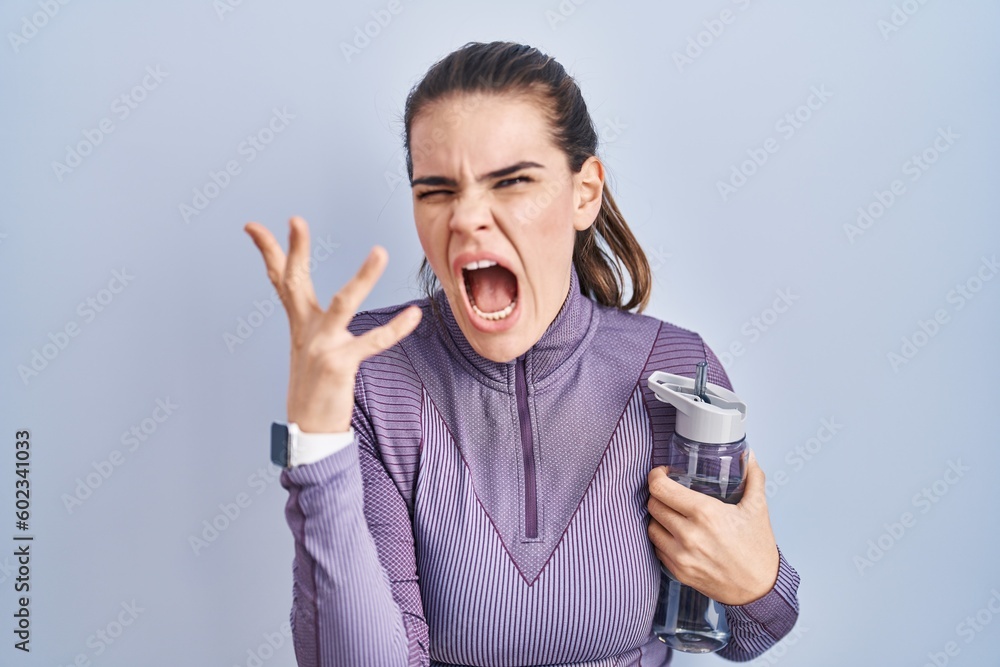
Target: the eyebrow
(499, 173)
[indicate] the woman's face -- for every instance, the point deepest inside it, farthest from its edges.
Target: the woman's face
(489, 185)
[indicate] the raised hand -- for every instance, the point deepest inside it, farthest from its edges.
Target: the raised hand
(325, 355)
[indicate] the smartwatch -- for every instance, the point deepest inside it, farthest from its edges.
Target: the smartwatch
(283, 440)
(290, 447)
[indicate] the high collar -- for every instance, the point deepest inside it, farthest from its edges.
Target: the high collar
(571, 328)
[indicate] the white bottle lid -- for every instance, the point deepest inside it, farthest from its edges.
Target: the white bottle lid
(719, 422)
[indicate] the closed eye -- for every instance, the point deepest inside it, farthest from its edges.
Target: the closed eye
(504, 183)
(430, 192)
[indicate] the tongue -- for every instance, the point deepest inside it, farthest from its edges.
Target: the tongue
(492, 288)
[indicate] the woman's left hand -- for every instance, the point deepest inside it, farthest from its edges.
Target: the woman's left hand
(725, 551)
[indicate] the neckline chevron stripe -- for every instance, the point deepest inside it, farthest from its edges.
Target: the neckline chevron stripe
(577, 381)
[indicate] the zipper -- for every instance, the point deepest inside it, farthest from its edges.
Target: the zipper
(527, 451)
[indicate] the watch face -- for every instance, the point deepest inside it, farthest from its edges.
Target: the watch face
(279, 444)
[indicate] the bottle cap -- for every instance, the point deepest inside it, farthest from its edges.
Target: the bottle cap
(718, 422)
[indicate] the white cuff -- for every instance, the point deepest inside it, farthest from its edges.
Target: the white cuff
(311, 447)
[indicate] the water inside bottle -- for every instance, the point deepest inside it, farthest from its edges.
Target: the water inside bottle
(689, 621)
(715, 470)
(685, 619)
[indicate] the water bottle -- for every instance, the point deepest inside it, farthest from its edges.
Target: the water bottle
(705, 453)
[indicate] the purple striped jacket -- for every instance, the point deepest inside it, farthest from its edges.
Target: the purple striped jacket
(495, 513)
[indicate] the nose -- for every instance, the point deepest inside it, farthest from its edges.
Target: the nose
(471, 213)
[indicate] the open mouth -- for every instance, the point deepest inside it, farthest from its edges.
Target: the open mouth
(491, 289)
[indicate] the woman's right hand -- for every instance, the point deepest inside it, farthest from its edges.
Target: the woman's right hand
(325, 355)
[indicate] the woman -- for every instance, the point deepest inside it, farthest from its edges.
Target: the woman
(475, 480)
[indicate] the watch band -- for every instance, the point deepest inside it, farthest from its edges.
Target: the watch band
(290, 447)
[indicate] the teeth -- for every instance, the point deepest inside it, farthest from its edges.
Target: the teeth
(498, 315)
(481, 264)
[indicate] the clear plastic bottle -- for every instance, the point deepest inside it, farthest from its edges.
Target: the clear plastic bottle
(706, 453)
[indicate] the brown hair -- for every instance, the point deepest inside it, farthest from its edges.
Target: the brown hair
(511, 68)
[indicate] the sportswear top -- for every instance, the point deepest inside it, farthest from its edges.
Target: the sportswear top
(492, 513)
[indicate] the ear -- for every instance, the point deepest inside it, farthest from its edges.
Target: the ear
(588, 193)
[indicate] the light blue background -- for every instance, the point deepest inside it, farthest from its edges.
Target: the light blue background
(670, 134)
